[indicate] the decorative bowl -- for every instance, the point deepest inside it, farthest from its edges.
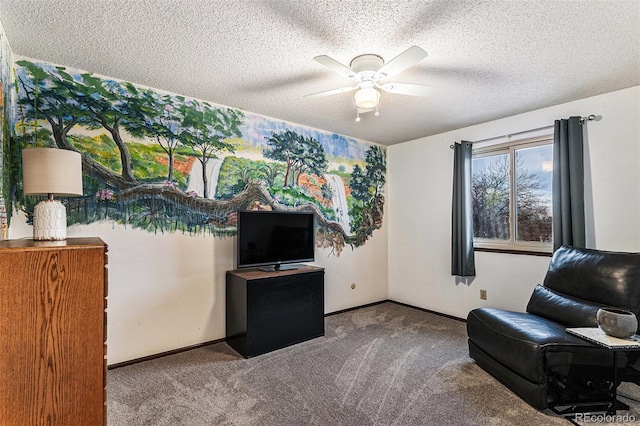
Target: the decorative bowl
(619, 323)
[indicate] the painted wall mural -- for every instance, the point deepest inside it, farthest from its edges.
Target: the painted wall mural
(169, 163)
(5, 128)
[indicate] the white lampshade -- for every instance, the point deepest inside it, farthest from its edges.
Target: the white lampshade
(51, 171)
(367, 98)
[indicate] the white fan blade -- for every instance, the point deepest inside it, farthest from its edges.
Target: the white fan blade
(331, 92)
(334, 65)
(406, 89)
(409, 57)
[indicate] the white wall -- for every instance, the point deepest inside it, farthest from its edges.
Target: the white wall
(167, 291)
(419, 176)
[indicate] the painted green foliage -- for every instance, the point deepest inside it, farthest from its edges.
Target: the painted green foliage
(168, 163)
(5, 131)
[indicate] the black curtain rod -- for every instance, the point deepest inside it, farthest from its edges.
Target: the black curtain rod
(583, 120)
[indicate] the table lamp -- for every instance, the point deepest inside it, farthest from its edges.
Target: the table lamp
(49, 171)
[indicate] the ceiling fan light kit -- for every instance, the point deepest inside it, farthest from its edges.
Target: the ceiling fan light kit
(367, 70)
(367, 98)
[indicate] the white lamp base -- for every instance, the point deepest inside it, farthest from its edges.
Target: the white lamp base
(49, 221)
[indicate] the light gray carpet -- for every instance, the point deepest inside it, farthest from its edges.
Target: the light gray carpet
(386, 364)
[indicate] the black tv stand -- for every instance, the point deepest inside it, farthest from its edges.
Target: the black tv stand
(268, 310)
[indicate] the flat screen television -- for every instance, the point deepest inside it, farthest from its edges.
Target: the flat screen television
(269, 239)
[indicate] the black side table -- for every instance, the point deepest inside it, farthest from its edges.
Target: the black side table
(596, 336)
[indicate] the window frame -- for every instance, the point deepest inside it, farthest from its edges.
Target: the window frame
(512, 245)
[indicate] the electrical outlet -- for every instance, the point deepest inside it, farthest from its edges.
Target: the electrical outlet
(483, 294)
(353, 286)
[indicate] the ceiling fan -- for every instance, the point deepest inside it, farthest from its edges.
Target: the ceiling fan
(368, 71)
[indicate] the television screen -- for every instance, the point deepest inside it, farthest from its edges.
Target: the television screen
(267, 238)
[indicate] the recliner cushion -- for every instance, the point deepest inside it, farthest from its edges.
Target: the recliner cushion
(534, 393)
(567, 310)
(520, 340)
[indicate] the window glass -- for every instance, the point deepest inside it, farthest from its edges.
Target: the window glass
(490, 195)
(511, 195)
(534, 167)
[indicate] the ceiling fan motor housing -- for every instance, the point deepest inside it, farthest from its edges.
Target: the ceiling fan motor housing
(368, 62)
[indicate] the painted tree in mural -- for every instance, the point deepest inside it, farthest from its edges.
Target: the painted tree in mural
(46, 98)
(112, 107)
(66, 103)
(376, 160)
(270, 172)
(207, 130)
(311, 159)
(366, 189)
(166, 129)
(359, 185)
(245, 176)
(301, 154)
(283, 148)
(159, 121)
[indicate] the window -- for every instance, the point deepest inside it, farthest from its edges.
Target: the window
(511, 192)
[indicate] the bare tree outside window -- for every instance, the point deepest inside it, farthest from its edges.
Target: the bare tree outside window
(533, 193)
(490, 197)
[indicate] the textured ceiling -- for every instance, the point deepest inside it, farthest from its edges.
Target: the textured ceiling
(487, 59)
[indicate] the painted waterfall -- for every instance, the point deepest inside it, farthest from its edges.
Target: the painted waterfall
(339, 201)
(196, 180)
(166, 163)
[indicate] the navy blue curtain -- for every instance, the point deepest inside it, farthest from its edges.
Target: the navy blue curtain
(462, 256)
(568, 184)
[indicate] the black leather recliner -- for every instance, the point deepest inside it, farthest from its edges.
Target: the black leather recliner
(531, 352)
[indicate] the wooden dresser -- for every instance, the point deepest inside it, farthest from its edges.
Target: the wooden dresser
(53, 363)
